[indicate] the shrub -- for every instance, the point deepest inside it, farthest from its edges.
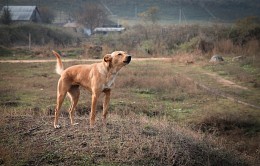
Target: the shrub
(40, 35)
(152, 40)
(4, 51)
(190, 45)
(245, 29)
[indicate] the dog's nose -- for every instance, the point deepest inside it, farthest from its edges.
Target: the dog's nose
(128, 59)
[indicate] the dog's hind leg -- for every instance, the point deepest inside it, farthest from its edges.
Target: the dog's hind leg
(74, 93)
(60, 98)
(62, 91)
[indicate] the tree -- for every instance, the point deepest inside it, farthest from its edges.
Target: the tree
(245, 30)
(47, 15)
(91, 15)
(6, 17)
(151, 14)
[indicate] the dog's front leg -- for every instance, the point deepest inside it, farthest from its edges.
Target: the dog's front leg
(105, 106)
(93, 109)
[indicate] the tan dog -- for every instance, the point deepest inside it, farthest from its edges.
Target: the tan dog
(97, 78)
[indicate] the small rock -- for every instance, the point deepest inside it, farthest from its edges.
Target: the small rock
(216, 58)
(238, 58)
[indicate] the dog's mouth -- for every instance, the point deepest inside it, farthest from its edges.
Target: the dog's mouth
(128, 60)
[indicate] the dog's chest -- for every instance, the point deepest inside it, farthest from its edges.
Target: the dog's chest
(110, 81)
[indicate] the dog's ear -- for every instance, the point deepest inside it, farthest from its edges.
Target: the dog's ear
(107, 58)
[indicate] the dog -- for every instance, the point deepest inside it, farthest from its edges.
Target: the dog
(97, 78)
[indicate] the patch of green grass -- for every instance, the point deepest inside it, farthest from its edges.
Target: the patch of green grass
(222, 73)
(17, 54)
(145, 94)
(27, 85)
(85, 160)
(5, 52)
(52, 158)
(249, 68)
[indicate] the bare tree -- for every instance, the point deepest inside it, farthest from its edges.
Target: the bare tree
(47, 15)
(6, 17)
(91, 15)
(151, 14)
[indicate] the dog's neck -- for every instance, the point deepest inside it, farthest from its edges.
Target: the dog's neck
(106, 69)
(110, 74)
(111, 77)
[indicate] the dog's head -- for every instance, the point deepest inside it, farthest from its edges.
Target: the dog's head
(117, 59)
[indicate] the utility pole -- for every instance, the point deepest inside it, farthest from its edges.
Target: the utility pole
(180, 11)
(182, 15)
(7, 3)
(135, 11)
(29, 38)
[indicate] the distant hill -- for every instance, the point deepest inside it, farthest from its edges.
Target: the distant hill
(201, 10)
(171, 10)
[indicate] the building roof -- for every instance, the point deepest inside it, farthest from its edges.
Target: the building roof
(21, 13)
(108, 29)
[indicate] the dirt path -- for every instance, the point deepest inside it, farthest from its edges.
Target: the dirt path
(225, 82)
(220, 93)
(217, 88)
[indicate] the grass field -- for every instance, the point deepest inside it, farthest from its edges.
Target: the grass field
(160, 113)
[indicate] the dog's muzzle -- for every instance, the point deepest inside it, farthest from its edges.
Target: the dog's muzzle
(128, 59)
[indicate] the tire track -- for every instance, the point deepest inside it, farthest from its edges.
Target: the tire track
(218, 92)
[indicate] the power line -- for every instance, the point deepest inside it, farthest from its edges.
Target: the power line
(105, 6)
(208, 11)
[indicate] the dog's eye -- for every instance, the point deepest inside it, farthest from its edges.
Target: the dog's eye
(119, 54)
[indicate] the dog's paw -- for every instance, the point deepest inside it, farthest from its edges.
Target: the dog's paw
(57, 126)
(92, 126)
(104, 122)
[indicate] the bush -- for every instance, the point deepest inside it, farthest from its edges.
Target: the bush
(154, 40)
(4, 51)
(245, 30)
(149, 40)
(190, 45)
(40, 35)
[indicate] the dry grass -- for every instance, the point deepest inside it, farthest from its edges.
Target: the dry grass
(127, 140)
(226, 46)
(253, 47)
(150, 103)
(240, 126)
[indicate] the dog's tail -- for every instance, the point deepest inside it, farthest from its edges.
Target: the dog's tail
(59, 65)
